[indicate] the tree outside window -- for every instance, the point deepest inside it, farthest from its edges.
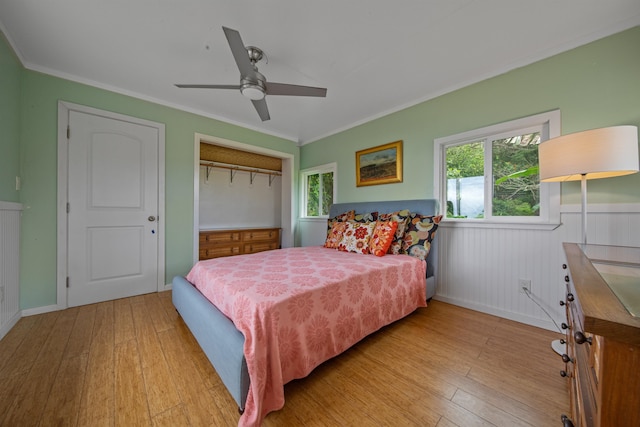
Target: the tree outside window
(512, 170)
(491, 174)
(319, 190)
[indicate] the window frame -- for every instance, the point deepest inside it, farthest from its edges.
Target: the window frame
(316, 170)
(548, 124)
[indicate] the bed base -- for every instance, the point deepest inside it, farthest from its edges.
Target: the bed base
(218, 337)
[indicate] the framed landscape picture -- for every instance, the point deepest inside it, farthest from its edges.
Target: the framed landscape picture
(379, 165)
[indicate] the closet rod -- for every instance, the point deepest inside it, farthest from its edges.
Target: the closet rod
(241, 168)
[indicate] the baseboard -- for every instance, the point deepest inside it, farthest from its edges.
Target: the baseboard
(41, 310)
(527, 320)
(10, 324)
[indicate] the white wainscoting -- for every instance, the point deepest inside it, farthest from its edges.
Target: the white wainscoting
(480, 267)
(313, 231)
(9, 265)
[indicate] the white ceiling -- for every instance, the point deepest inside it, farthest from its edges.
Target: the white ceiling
(374, 56)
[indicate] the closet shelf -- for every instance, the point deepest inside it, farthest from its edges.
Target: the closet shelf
(235, 168)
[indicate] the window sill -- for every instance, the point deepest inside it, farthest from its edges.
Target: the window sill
(544, 226)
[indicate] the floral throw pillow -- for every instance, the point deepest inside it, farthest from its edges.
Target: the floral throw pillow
(402, 218)
(347, 216)
(335, 235)
(366, 217)
(419, 234)
(382, 237)
(356, 237)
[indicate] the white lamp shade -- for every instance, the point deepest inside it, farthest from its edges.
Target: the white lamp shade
(597, 153)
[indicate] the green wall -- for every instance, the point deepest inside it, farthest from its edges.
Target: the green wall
(594, 86)
(38, 107)
(10, 71)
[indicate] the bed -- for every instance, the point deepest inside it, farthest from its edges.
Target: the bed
(224, 342)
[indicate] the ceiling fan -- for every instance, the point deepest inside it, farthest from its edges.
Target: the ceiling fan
(253, 84)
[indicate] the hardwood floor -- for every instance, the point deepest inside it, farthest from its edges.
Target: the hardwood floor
(133, 362)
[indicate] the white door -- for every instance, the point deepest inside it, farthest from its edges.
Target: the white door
(113, 209)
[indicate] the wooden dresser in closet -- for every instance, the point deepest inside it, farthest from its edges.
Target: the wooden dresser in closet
(221, 243)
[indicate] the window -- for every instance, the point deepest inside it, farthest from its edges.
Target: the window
(491, 174)
(318, 190)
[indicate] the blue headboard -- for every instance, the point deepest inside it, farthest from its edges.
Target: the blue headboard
(420, 206)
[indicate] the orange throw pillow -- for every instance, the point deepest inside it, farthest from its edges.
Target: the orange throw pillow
(382, 236)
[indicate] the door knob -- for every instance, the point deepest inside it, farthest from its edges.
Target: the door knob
(151, 218)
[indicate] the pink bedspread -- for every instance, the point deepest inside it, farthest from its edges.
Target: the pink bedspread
(299, 307)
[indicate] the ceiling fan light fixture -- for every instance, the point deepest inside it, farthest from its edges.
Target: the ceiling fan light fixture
(252, 91)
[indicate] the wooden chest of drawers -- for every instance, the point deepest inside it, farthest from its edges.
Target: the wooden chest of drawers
(221, 243)
(603, 348)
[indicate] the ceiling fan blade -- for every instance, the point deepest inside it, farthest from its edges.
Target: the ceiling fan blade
(261, 108)
(239, 53)
(294, 90)
(188, 86)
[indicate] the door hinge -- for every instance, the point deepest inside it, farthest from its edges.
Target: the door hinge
(68, 131)
(68, 207)
(67, 281)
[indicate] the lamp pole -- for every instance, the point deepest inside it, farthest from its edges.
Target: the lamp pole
(583, 189)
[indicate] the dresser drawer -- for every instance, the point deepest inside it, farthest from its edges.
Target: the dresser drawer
(250, 248)
(258, 235)
(220, 251)
(219, 236)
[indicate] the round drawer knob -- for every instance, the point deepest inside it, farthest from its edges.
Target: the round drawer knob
(564, 266)
(570, 297)
(581, 338)
(564, 326)
(563, 374)
(566, 358)
(566, 422)
(566, 279)
(562, 302)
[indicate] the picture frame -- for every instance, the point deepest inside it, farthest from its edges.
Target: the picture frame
(379, 165)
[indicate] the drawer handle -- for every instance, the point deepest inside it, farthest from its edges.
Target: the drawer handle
(566, 422)
(566, 279)
(565, 326)
(562, 302)
(581, 338)
(570, 297)
(566, 358)
(564, 266)
(564, 374)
